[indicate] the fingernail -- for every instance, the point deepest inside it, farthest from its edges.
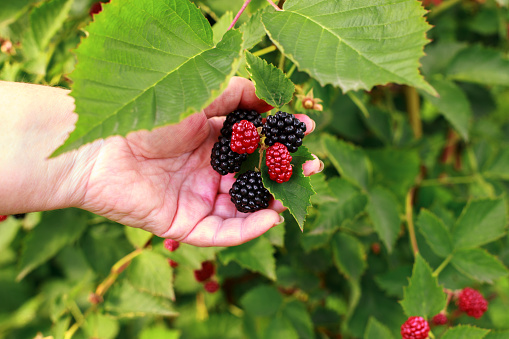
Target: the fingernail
(322, 165)
(281, 220)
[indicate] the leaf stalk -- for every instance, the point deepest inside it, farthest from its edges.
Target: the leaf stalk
(239, 14)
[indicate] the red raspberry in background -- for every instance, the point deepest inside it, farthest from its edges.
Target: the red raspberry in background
(97, 7)
(472, 302)
(245, 137)
(172, 263)
(207, 270)
(3, 217)
(171, 245)
(211, 286)
(278, 161)
(428, 3)
(415, 328)
(440, 319)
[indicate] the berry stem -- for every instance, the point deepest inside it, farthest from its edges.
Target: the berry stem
(410, 220)
(274, 5)
(290, 72)
(442, 265)
(414, 112)
(265, 50)
(239, 14)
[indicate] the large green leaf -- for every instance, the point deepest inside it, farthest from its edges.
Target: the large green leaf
(253, 30)
(56, 230)
(435, 232)
(500, 166)
(147, 64)
(10, 10)
(453, 103)
(295, 194)
(351, 162)
(376, 330)
(383, 211)
(480, 65)
(221, 26)
(465, 331)
(270, 82)
(423, 296)
(150, 272)
(353, 44)
(478, 264)
(480, 222)
(349, 255)
(256, 255)
(262, 300)
(297, 313)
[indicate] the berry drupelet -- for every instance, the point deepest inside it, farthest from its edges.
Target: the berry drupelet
(415, 328)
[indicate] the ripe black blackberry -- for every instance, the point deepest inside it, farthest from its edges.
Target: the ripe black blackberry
(223, 159)
(237, 116)
(248, 193)
(284, 128)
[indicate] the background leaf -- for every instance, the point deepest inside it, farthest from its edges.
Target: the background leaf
(382, 209)
(376, 330)
(140, 72)
(479, 265)
(436, 234)
(353, 54)
(465, 331)
(272, 85)
(150, 272)
(423, 296)
(349, 255)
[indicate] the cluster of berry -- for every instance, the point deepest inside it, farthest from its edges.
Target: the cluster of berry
(242, 133)
(16, 216)
(468, 300)
(202, 275)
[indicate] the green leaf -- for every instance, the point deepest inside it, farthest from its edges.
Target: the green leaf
(497, 335)
(423, 296)
(262, 301)
(435, 232)
(191, 256)
(453, 103)
(392, 282)
(45, 21)
(480, 65)
(8, 231)
(147, 64)
(272, 85)
(256, 255)
(349, 161)
(383, 210)
(159, 332)
(101, 326)
(465, 331)
(376, 330)
(150, 272)
(253, 30)
(348, 255)
(481, 222)
(221, 27)
(123, 300)
(11, 10)
(56, 230)
(280, 327)
(298, 315)
(295, 194)
(500, 166)
(478, 264)
(326, 39)
(137, 237)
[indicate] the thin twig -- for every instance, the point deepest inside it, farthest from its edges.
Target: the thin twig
(410, 220)
(239, 14)
(274, 5)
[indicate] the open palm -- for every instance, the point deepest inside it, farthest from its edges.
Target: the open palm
(162, 180)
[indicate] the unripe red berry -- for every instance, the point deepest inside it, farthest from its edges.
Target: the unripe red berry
(472, 302)
(245, 137)
(440, 319)
(278, 160)
(375, 248)
(171, 245)
(172, 263)
(207, 270)
(211, 286)
(3, 217)
(415, 328)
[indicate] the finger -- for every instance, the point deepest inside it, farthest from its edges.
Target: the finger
(240, 93)
(311, 167)
(216, 231)
(226, 183)
(310, 123)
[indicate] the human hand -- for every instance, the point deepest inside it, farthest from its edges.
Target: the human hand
(162, 181)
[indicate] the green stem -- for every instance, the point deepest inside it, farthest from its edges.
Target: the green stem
(414, 110)
(282, 60)
(409, 213)
(442, 265)
(290, 72)
(264, 51)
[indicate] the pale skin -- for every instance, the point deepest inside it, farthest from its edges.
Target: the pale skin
(160, 180)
